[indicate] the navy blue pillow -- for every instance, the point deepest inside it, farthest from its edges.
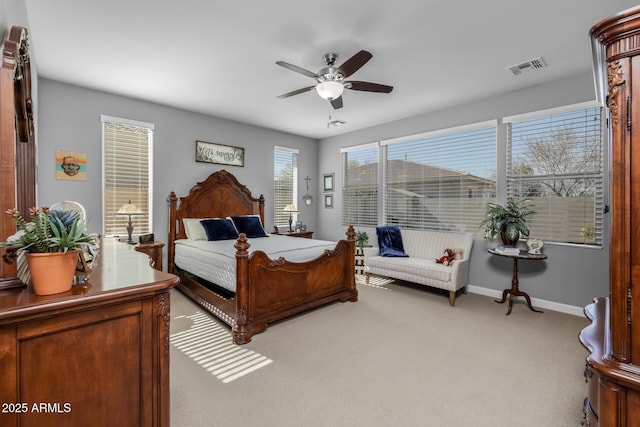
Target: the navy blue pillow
(249, 225)
(390, 241)
(219, 229)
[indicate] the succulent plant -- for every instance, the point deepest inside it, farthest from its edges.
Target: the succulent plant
(48, 231)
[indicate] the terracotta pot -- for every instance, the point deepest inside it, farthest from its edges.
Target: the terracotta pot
(53, 272)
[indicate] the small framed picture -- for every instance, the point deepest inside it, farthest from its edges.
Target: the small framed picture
(328, 181)
(328, 200)
(71, 165)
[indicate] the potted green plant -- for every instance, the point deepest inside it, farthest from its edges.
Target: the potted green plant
(53, 238)
(361, 239)
(508, 221)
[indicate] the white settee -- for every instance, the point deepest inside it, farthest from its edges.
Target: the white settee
(423, 248)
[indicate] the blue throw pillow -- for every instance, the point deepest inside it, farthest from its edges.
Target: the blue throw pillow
(249, 225)
(390, 241)
(219, 229)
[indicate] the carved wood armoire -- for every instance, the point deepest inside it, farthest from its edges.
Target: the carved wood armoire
(613, 338)
(17, 142)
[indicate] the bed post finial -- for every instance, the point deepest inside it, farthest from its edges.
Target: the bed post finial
(351, 233)
(242, 245)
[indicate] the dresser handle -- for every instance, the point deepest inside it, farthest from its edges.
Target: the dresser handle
(587, 373)
(585, 417)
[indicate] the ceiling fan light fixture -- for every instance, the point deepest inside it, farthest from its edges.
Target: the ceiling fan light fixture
(330, 90)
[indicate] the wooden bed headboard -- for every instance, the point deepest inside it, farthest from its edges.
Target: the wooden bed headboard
(219, 196)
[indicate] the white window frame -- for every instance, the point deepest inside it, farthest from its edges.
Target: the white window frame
(281, 218)
(368, 217)
(438, 197)
(142, 223)
(546, 232)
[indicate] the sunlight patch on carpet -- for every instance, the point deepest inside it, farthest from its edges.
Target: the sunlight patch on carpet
(210, 345)
(374, 281)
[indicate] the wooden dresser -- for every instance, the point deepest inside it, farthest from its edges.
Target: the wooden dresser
(97, 355)
(613, 366)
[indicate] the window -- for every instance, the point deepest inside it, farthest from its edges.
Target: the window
(440, 180)
(556, 161)
(127, 174)
(285, 183)
(360, 185)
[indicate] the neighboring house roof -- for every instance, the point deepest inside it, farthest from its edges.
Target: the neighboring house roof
(398, 170)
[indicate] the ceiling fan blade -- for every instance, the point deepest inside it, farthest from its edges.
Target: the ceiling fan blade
(336, 103)
(298, 69)
(296, 92)
(354, 63)
(367, 86)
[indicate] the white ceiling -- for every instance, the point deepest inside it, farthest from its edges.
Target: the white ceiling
(218, 57)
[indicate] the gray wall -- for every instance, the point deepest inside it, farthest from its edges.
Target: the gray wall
(69, 119)
(571, 275)
(12, 12)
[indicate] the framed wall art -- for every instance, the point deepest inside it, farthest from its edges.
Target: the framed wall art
(328, 181)
(209, 152)
(328, 200)
(71, 165)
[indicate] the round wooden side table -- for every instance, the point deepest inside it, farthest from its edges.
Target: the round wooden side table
(515, 291)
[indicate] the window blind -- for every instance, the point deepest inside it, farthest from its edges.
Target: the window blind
(441, 181)
(557, 161)
(360, 186)
(285, 183)
(127, 174)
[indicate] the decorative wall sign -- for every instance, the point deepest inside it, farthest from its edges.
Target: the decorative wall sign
(328, 182)
(221, 154)
(71, 165)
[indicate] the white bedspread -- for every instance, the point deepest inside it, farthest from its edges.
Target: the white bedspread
(215, 261)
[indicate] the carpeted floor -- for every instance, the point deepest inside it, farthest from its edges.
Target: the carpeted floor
(400, 356)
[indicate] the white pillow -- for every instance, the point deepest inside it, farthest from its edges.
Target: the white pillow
(193, 229)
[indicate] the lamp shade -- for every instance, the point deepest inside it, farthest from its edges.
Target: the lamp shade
(330, 90)
(129, 209)
(290, 208)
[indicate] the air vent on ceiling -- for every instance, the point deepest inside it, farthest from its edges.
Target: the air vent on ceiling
(335, 123)
(532, 64)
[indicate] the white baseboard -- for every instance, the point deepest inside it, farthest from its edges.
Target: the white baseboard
(550, 305)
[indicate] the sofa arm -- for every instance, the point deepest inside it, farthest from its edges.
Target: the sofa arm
(369, 252)
(460, 274)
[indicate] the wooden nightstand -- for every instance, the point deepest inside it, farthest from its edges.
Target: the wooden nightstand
(303, 234)
(154, 251)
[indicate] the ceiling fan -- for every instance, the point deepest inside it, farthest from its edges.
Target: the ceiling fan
(331, 79)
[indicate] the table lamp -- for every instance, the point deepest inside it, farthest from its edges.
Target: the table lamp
(291, 209)
(129, 209)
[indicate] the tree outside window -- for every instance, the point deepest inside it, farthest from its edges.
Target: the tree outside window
(557, 162)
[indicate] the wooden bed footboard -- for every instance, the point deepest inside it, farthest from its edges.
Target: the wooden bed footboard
(268, 290)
